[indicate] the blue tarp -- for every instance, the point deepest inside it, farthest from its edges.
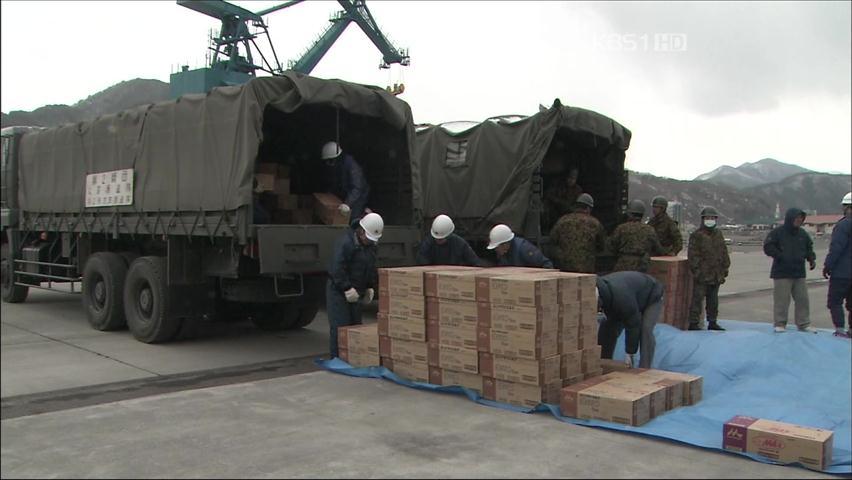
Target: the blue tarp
(792, 377)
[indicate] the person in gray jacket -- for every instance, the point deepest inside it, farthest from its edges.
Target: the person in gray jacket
(838, 269)
(633, 301)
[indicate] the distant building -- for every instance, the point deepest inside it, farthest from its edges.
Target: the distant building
(821, 224)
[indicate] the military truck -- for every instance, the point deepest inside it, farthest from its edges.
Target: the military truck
(148, 213)
(497, 171)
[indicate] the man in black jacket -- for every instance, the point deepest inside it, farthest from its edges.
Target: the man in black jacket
(443, 247)
(632, 301)
(789, 246)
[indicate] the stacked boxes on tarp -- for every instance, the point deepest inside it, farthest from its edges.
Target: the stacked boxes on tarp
(674, 274)
(358, 345)
(273, 181)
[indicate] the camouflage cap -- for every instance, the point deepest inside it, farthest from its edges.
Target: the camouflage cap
(636, 207)
(659, 201)
(709, 212)
(585, 199)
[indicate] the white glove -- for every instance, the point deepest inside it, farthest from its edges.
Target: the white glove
(344, 209)
(368, 296)
(351, 295)
(628, 360)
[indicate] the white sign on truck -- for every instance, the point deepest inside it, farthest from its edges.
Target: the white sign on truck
(108, 189)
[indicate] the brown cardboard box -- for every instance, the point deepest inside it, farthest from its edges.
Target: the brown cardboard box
(628, 381)
(517, 344)
(782, 442)
(569, 340)
(416, 371)
(511, 318)
(326, 208)
(409, 281)
(483, 279)
(452, 313)
(608, 365)
(400, 306)
(453, 358)
(358, 358)
(574, 287)
(674, 388)
(403, 350)
(442, 376)
(464, 336)
(402, 328)
(607, 402)
(588, 336)
(693, 384)
(267, 168)
(359, 338)
(571, 363)
(573, 379)
(451, 284)
(523, 290)
(569, 314)
(265, 181)
(591, 359)
(592, 373)
(282, 187)
(520, 394)
(533, 372)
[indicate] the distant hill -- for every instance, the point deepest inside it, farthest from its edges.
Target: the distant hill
(762, 172)
(114, 99)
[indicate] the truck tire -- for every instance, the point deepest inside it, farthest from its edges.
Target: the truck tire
(129, 257)
(11, 293)
(283, 316)
(307, 314)
(146, 301)
(103, 291)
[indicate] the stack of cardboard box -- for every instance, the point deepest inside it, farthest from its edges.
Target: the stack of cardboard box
(273, 180)
(631, 397)
(674, 274)
(359, 345)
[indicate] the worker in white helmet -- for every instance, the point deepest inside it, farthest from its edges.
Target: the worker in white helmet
(443, 247)
(515, 251)
(346, 180)
(352, 275)
(838, 269)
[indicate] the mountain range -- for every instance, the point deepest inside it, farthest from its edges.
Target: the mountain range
(749, 193)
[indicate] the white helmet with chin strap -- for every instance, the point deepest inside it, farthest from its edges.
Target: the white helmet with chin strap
(442, 227)
(330, 150)
(373, 226)
(847, 199)
(499, 235)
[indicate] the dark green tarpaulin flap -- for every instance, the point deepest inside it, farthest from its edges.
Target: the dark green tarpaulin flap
(493, 184)
(194, 153)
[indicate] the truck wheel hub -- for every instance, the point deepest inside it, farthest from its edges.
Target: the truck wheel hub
(100, 293)
(146, 301)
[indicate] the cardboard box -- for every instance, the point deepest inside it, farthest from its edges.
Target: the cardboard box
(569, 340)
(359, 338)
(452, 313)
(533, 372)
(588, 336)
(267, 168)
(573, 379)
(442, 376)
(452, 284)
(403, 350)
(416, 371)
(674, 388)
(409, 281)
(326, 208)
(593, 374)
(517, 344)
(520, 394)
(657, 392)
(401, 306)
(464, 336)
(523, 290)
(591, 359)
(782, 442)
(359, 359)
(453, 358)
(693, 384)
(402, 328)
(602, 401)
(571, 364)
(265, 181)
(282, 187)
(511, 318)
(574, 287)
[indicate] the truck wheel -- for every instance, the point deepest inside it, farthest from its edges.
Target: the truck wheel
(11, 293)
(103, 287)
(306, 315)
(146, 301)
(129, 257)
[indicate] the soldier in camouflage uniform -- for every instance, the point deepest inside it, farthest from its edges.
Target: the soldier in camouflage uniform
(560, 197)
(709, 263)
(666, 228)
(634, 242)
(578, 237)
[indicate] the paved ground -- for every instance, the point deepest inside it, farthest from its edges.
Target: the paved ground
(326, 425)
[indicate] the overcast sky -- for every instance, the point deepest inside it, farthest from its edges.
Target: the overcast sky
(700, 84)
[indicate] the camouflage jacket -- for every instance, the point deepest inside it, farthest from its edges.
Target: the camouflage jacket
(634, 243)
(560, 199)
(708, 256)
(667, 233)
(577, 239)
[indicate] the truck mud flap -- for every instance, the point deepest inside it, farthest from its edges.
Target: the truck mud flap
(310, 248)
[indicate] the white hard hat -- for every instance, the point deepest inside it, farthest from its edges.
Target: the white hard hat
(373, 226)
(847, 199)
(442, 227)
(330, 150)
(499, 235)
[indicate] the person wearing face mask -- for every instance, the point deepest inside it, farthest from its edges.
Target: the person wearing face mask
(709, 262)
(346, 180)
(352, 275)
(443, 247)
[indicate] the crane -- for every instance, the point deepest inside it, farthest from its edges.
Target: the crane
(230, 66)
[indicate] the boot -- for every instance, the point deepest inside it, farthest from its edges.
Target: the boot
(694, 326)
(715, 326)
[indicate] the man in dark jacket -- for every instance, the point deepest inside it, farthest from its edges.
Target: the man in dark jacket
(709, 263)
(631, 301)
(443, 247)
(789, 246)
(514, 251)
(838, 269)
(346, 180)
(352, 275)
